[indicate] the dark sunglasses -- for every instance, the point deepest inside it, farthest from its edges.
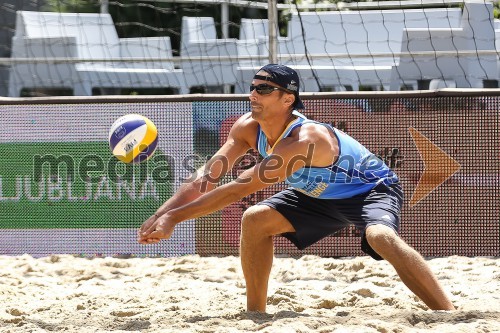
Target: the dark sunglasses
(265, 89)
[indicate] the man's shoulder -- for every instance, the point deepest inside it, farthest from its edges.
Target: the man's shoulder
(313, 130)
(246, 122)
(245, 129)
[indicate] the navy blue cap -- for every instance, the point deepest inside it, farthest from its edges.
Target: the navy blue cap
(285, 77)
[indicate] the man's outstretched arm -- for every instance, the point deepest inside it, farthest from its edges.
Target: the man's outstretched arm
(271, 170)
(207, 177)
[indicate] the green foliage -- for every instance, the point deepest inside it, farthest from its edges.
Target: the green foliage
(72, 6)
(496, 9)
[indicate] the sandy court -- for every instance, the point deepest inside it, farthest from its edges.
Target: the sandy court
(207, 294)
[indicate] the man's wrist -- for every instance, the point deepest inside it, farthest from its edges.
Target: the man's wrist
(168, 215)
(161, 211)
(172, 216)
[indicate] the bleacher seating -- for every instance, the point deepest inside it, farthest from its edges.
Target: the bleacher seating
(342, 38)
(476, 32)
(75, 36)
(346, 50)
(253, 43)
(347, 36)
(199, 38)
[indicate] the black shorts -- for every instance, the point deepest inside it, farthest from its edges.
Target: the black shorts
(314, 219)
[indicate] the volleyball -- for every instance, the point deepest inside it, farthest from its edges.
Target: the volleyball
(133, 138)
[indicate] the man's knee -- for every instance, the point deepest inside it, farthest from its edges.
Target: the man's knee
(265, 221)
(252, 216)
(254, 213)
(383, 239)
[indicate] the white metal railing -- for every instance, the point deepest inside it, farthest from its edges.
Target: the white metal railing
(339, 5)
(61, 60)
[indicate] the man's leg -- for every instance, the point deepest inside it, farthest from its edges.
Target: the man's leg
(410, 266)
(258, 226)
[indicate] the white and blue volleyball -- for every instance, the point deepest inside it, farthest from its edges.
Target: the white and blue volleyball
(133, 138)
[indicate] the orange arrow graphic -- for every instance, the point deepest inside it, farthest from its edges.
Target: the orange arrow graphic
(438, 166)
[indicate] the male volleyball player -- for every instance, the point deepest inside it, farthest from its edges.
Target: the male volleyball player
(335, 182)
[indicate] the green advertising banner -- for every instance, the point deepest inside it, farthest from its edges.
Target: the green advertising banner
(83, 184)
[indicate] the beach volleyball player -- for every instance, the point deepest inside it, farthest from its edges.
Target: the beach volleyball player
(334, 182)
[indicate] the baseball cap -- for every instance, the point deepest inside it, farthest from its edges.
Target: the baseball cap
(285, 77)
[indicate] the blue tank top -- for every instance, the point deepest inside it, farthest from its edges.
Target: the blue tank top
(356, 170)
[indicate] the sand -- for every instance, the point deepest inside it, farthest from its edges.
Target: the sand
(64, 293)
